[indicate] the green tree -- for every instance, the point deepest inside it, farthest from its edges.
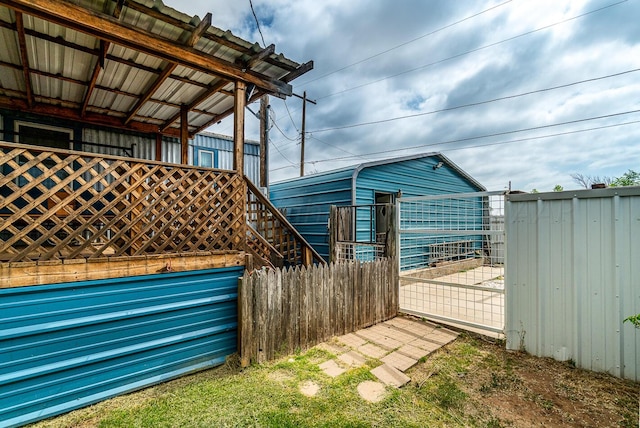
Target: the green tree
(558, 188)
(629, 178)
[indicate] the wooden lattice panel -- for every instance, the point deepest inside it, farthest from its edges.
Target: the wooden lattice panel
(63, 204)
(269, 223)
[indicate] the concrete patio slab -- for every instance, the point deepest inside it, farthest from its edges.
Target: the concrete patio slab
(372, 351)
(371, 391)
(352, 359)
(379, 339)
(399, 361)
(390, 376)
(351, 340)
(413, 351)
(331, 368)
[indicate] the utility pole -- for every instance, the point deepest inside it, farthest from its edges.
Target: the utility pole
(304, 120)
(304, 117)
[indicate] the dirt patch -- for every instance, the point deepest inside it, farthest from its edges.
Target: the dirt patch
(309, 388)
(505, 388)
(371, 391)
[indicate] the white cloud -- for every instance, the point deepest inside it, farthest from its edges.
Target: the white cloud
(336, 34)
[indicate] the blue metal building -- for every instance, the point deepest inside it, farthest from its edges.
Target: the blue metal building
(306, 201)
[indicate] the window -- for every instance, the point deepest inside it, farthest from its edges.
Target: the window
(42, 135)
(207, 158)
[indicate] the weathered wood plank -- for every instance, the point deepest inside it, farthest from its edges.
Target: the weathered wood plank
(56, 271)
(298, 308)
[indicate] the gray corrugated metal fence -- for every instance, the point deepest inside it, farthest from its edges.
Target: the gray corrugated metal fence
(573, 275)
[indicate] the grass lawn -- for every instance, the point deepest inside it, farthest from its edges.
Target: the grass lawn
(470, 382)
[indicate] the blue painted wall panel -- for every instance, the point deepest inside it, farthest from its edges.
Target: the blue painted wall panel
(310, 197)
(68, 345)
(307, 201)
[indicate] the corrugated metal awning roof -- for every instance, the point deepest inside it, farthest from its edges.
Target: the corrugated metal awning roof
(129, 63)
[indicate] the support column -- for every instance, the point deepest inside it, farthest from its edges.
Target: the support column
(159, 147)
(184, 135)
(240, 101)
(264, 142)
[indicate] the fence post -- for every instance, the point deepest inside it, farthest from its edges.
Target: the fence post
(245, 319)
(333, 222)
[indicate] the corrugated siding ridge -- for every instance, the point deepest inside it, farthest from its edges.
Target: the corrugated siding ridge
(23, 331)
(71, 363)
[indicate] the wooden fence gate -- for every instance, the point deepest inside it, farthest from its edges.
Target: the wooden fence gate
(362, 232)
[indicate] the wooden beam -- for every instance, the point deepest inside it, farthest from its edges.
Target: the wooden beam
(264, 53)
(55, 271)
(308, 66)
(201, 98)
(73, 114)
(60, 41)
(184, 135)
(191, 41)
(152, 90)
(202, 28)
(256, 95)
(107, 28)
(24, 58)
(238, 126)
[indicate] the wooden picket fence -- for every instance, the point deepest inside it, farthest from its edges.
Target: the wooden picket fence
(285, 310)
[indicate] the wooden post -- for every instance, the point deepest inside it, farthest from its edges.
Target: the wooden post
(333, 222)
(264, 141)
(307, 256)
(159, 147)
(184, 135)
(391, 246)
(240, 101)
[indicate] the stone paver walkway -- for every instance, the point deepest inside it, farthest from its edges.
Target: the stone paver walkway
(398, 343)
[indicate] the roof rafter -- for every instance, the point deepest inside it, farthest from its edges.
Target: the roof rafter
(256, 96)
(104, 47)
(24, 58)
(191, 41)
(109, 29)
(264, 53)
(199, 100)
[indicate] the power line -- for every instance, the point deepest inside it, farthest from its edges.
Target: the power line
(405, 43)
(337, 147)
(281, 154)
(494, 143)
(497, 134)
(507, 97)
(282, 132)
(474, 50)
(290, 117)
(257, 23)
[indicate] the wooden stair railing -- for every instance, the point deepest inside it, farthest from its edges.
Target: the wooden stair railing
(263, 252)
(264, 219)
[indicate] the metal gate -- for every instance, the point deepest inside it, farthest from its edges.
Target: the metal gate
(451, 255)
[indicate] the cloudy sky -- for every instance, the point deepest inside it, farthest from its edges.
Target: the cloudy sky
(520, 91)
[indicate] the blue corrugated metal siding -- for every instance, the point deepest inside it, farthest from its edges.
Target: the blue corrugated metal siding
(223, 146)
(68, 345)
(307, 200)
(416, 177)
